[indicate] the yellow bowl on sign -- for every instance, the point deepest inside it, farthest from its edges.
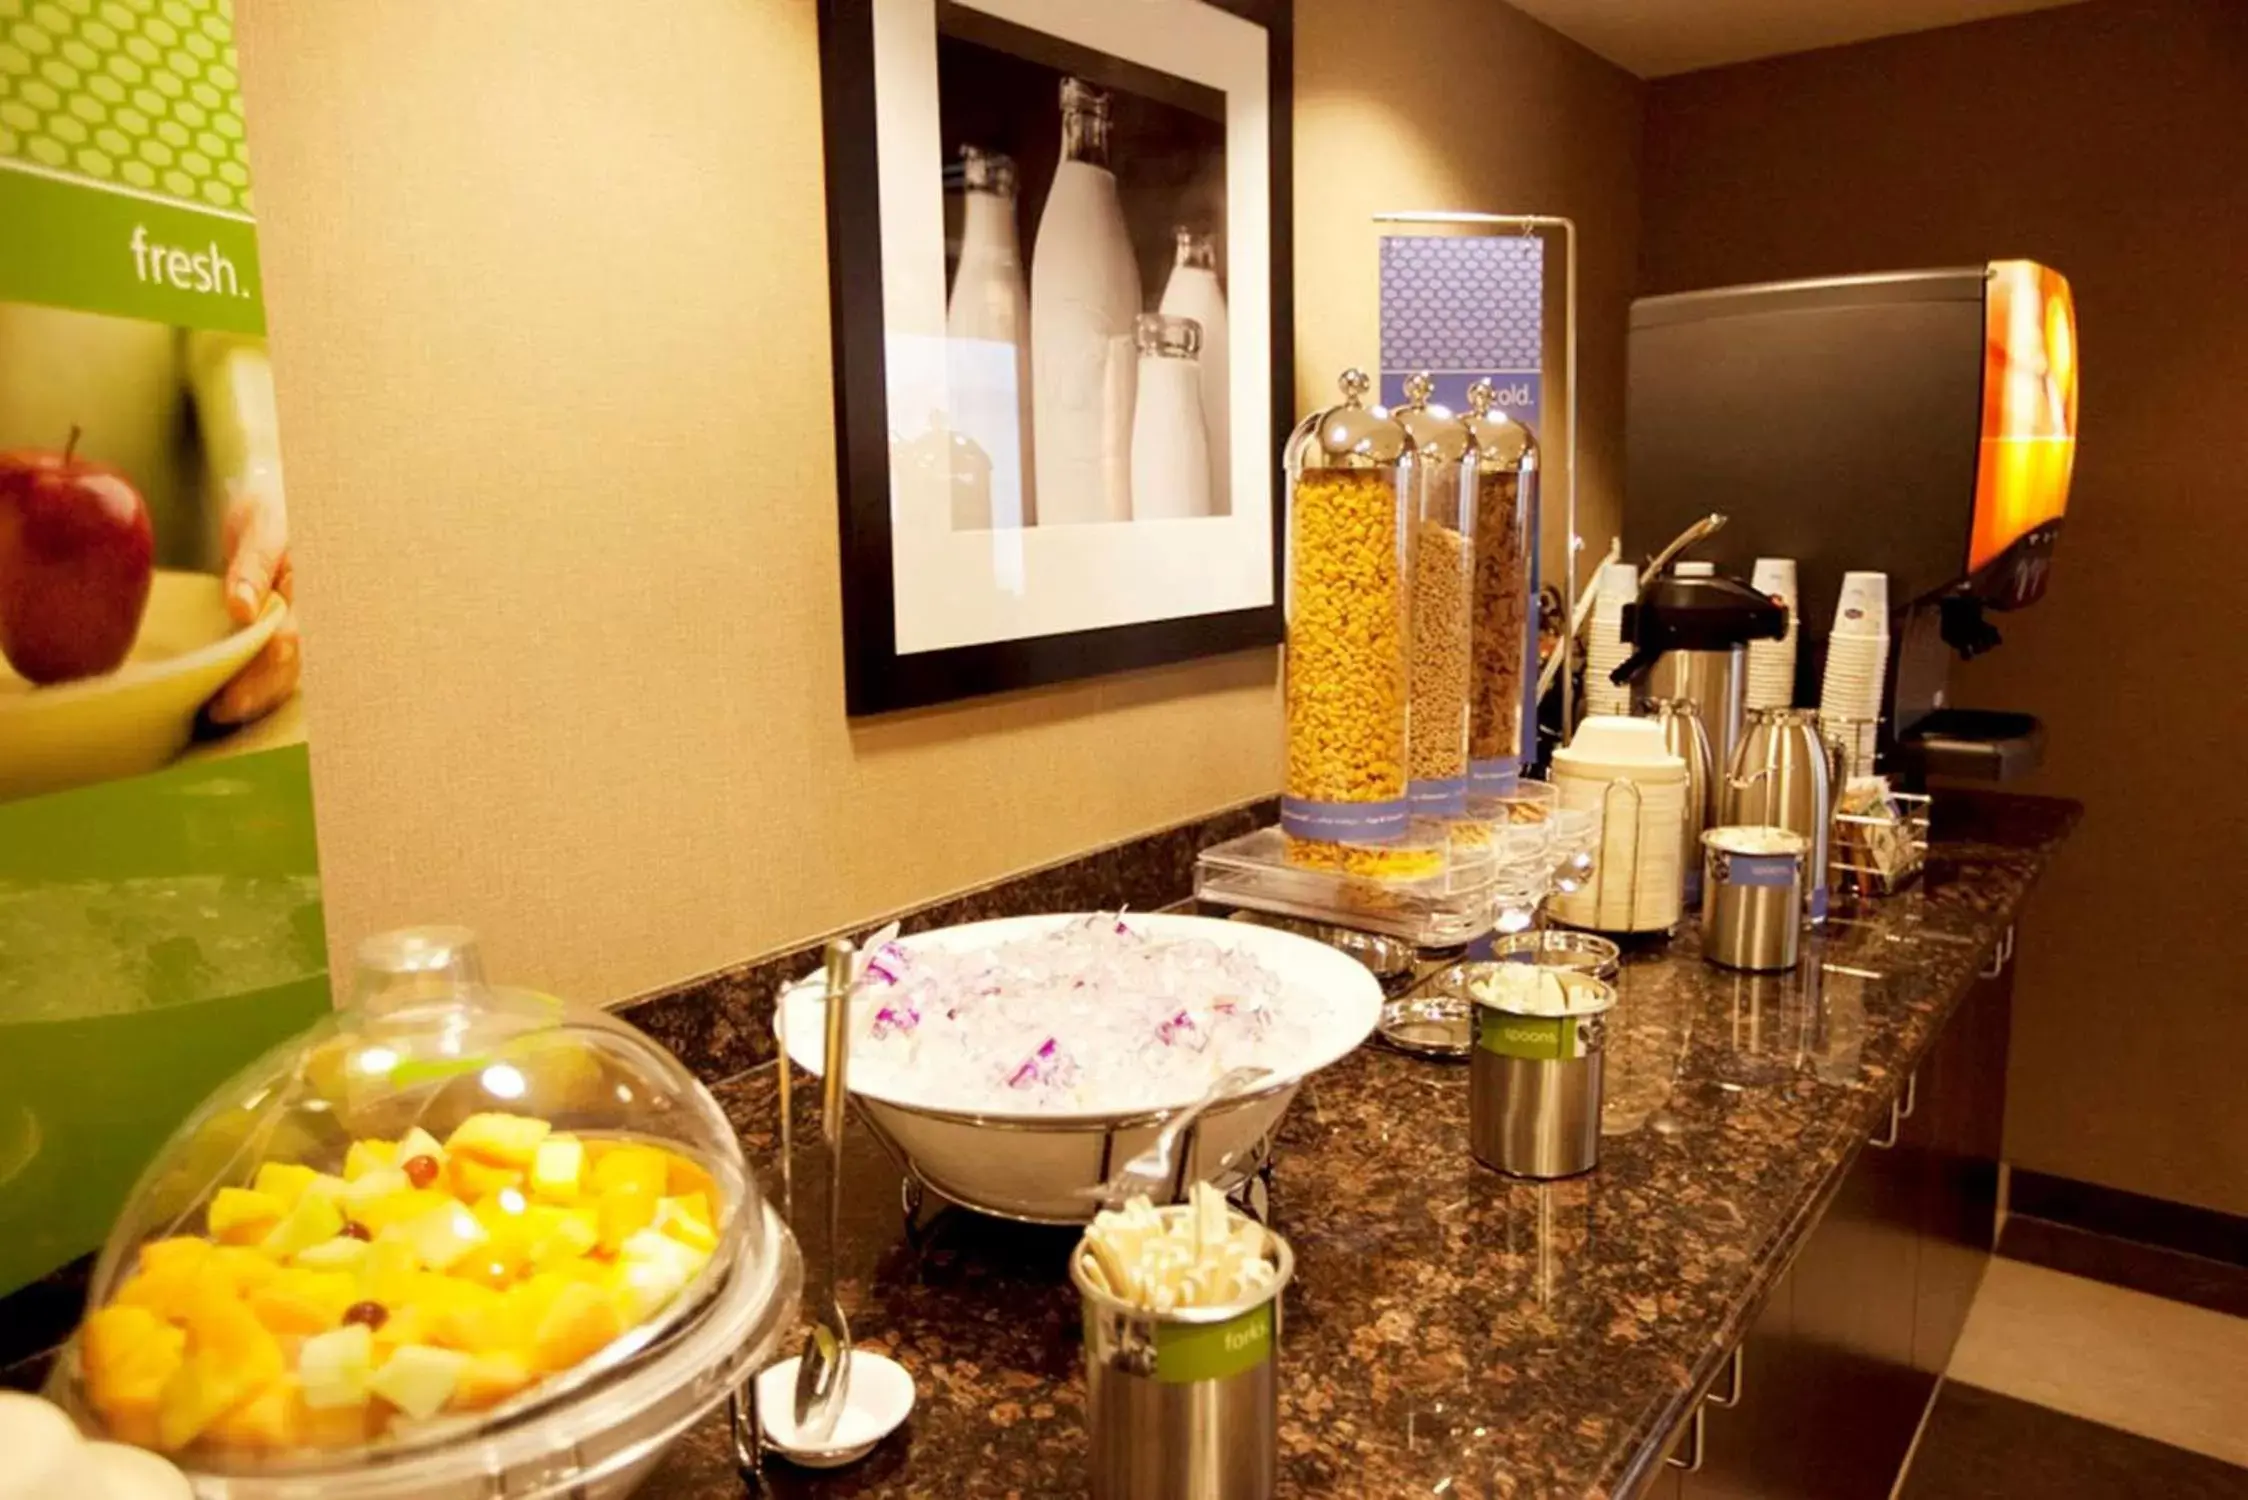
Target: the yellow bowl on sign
(140, 717)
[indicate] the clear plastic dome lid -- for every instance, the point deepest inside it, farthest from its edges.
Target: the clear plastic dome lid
(1500, 441)
(431, 1238)
(1350, 434)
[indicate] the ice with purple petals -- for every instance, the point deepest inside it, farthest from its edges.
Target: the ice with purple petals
(1091, 1016)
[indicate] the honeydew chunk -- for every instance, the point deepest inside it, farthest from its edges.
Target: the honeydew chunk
(375, 1182)
(419, 1142)
(557, 1167)
(687, 1220)
(652, 1268)
(419, 1379)
(315, 1218)
(443, 1235)
(335, 1368)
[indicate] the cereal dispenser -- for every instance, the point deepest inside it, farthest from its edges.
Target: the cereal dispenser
(1440, 577)
(1501, 653)
(1344, 803)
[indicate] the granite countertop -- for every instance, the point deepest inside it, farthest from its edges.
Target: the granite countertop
(1447, 1323)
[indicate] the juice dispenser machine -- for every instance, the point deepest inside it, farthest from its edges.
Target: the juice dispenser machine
(1918, 423)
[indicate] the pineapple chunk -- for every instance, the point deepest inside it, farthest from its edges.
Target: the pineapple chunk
(683, 1177)
(499, 1140)
(652, 1269)
(418, 1379)
(269, 1421)
(393, 1209)
(285, 1181)
(574, 1232)
(343, 1253)
(246, 1266)
(473, 1178)
(581, 1322)
(488, 1379)
(230, 1355)
(315, 1218)
(129, 1355)
(242, 1216)
(169, 1270)
(335, 1367)
(624, 1213)
(366, 1156)
(641, 1169)
(304, 1301)
(557, 1168)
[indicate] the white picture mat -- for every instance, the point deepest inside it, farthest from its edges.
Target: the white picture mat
(958, 588)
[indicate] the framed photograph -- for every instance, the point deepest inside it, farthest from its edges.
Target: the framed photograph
(1058, 244)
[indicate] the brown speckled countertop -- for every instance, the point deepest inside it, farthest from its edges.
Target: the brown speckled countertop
(1446, 1322)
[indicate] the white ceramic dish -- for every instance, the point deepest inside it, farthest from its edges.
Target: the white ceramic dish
(1038, 1165)
(137, 718)
(879, 1400)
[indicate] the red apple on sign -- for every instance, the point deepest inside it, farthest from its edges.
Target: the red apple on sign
(76, 559)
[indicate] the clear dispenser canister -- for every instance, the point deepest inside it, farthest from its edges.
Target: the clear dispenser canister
(1344, 804)
(1502, 650)
(1441, 581)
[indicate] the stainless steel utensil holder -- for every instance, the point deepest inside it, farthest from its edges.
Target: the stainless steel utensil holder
(1183, 1405)
(1535, 1083)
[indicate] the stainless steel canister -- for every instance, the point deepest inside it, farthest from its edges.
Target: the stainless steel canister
(1780, 777)
(1533, 1102)
(1183, 1405)
(1715, 682)
(1752, 896)
(1686, 737)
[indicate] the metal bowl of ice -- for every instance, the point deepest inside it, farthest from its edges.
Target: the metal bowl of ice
(1013, 1066)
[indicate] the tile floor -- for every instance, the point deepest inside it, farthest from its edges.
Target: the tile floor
(2063, 1386)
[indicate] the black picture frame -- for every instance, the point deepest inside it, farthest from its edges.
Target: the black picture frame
(877, 679)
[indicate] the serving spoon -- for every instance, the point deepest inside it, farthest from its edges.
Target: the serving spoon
(823, 1371)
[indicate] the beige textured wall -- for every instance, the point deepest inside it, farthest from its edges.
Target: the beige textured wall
(547, 293)
(1468, 105)
(2109, 140)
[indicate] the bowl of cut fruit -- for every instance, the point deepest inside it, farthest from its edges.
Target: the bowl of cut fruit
(454, 1240)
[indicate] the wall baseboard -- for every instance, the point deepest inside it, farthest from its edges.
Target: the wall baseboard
(2182, 1227)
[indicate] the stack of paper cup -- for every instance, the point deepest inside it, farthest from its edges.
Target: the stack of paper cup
(1856, 669)
(1605, 647)
(1771, 664)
